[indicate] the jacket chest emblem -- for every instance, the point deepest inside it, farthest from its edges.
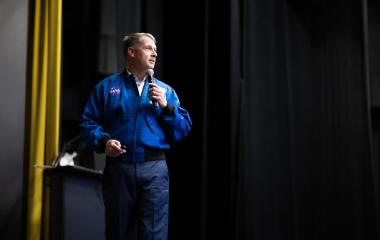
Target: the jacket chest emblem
(114, 91)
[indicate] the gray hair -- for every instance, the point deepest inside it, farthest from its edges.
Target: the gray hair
(133, 39)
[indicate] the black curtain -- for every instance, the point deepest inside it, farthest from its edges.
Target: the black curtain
(281, 144)
(304, 170)
(285, 114)
(80, 29)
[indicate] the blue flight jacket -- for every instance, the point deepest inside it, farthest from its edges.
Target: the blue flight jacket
(116, 111)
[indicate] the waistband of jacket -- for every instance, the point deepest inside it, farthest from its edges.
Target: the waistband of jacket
(152, 155)
(149, 155)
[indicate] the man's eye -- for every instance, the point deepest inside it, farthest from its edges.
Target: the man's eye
(150, 49)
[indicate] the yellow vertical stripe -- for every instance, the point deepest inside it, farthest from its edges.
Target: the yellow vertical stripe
(54, 85)
(44, 103)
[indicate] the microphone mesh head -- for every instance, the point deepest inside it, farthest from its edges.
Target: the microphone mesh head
(150, 72)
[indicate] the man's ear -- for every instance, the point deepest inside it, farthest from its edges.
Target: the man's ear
(131, 52)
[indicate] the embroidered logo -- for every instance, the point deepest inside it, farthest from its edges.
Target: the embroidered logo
(114, 91)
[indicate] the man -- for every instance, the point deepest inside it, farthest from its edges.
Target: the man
(134, 122)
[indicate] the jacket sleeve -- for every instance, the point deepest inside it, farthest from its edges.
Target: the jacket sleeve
(175, 120)
(92, 121)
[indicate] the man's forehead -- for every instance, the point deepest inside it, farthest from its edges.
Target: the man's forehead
(147, 40)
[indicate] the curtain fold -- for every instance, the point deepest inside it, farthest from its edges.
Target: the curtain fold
(44, 104)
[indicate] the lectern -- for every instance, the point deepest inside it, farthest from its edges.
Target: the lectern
(76, 203)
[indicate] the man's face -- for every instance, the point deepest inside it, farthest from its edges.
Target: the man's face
(144, 54)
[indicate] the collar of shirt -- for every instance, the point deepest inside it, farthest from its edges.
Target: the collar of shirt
(139, 83)
(137, 80)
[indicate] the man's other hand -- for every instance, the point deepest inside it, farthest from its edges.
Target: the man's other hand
(113, 148)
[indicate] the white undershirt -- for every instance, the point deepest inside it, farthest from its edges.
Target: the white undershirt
(139, 83)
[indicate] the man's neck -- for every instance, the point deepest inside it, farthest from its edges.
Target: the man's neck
(139, 74)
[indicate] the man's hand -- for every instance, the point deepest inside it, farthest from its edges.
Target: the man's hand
(113, 148)
(156, 94)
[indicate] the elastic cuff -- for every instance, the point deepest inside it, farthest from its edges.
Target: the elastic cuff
(103, 143)
(169, 109)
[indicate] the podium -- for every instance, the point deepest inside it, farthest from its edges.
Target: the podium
(76, 203)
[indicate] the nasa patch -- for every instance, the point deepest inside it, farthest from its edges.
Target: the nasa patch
(114, 91)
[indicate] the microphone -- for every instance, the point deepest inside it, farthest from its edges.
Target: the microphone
(150, 73)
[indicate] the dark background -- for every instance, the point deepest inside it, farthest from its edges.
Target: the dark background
(284, 98)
